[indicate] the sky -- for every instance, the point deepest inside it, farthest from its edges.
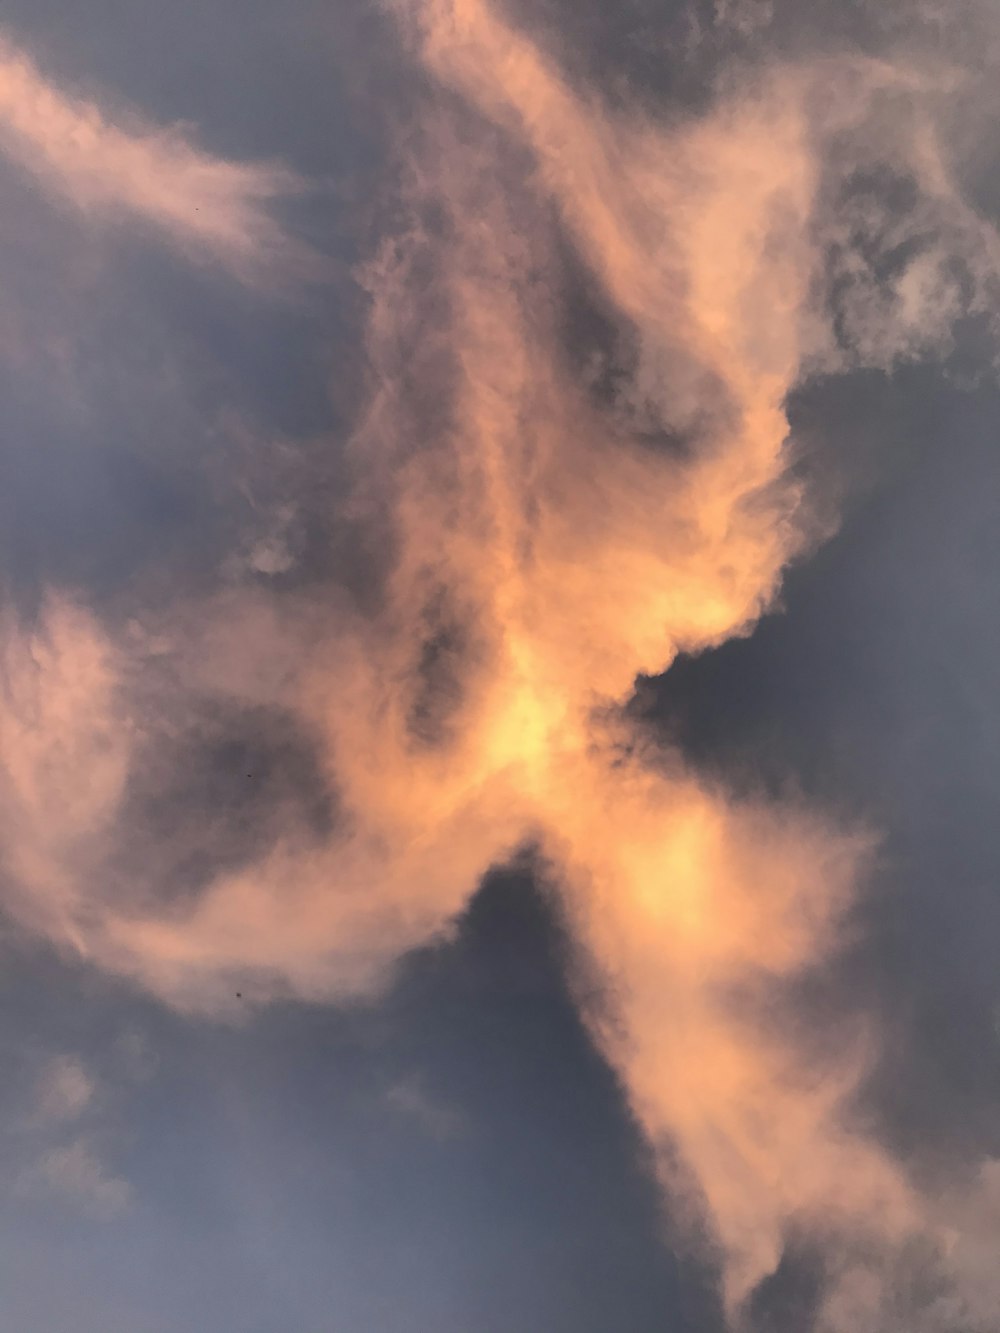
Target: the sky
(498, 749)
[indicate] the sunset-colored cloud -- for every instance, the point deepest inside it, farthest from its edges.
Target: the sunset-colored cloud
(557, 526)
(204, 205)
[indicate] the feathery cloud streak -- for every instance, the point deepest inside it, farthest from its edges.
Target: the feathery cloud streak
(203, 205)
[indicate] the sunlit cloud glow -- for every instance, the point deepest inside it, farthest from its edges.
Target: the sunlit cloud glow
(558, 527)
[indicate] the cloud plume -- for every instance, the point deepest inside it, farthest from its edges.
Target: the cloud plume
(581, 339)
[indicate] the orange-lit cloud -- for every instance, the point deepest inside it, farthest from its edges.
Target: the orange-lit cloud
(207, 206)
(556, 529)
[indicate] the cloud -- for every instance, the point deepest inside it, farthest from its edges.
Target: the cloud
(410, 1098)
(65, 1090)
(75, 1172)
(205, 206)
(573, 466)
(60, 1153)
(65, 761)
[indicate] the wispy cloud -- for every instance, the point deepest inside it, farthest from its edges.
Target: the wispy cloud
(65, 1090)
(410, 1098)
(560, 518)
(61, 1142)
(210, 208)
(74, 1172)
